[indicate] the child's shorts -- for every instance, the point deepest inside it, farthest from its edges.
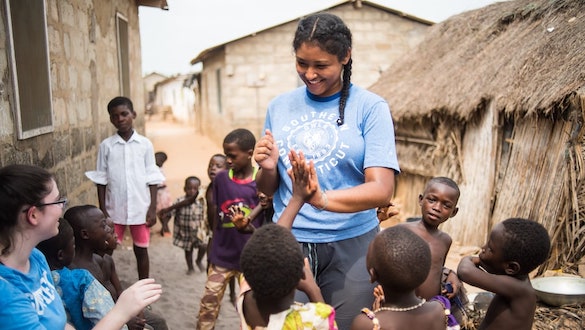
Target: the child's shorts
(140, 234)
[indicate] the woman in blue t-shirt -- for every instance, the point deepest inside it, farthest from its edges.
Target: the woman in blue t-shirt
(347, 132)
(31, 206)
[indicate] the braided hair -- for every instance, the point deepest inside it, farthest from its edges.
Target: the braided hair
(331, 34)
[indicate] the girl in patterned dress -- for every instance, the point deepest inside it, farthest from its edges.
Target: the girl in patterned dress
(188, 220)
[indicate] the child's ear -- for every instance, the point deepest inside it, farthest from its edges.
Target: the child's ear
(373, 275)
(454, 212)
(84, 234)
(512, 268)
(60, 254)
(420, 198)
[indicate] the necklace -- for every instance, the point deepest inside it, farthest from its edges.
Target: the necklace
(401, 309)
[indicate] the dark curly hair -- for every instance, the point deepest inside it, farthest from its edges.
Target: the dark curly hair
(272, 262)
(242, 137)
(329, 33)
(526, 242)
(20, 186)
(401, 258)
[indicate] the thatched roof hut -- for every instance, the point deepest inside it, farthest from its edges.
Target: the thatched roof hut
(495, 98)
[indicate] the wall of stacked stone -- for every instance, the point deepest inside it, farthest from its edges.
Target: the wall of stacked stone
(83, 64)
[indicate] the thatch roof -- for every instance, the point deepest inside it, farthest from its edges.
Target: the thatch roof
(526, 55)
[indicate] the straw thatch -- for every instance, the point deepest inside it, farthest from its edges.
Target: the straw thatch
(527, 54)
(495, 99)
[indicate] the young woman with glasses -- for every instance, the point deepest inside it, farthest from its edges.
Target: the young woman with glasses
(30, 208)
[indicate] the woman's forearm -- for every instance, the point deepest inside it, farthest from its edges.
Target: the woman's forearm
(267, 181)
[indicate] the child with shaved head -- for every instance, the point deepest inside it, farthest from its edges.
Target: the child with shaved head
(399, 260)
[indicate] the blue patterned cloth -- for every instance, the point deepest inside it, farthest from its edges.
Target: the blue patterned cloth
(86, 300)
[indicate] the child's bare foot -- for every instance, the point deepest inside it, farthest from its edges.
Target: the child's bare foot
(190, 271)
(200, 266)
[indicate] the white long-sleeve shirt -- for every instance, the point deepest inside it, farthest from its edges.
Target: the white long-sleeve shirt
(127, 169)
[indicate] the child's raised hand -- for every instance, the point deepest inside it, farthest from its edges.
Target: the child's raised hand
(303, 176)
(239, 219)
(378, 297)
(266, 152)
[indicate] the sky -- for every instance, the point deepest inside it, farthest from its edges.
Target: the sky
(171, 39)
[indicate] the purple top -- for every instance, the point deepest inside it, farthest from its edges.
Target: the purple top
(227, 242)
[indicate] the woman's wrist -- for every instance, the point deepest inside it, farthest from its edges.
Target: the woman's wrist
(323, 202)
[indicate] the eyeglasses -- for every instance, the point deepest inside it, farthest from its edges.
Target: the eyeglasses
(62, 202)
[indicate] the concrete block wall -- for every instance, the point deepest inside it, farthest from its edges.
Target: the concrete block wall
(82, 41)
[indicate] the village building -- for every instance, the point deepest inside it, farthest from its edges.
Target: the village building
(495, 99)
(175, 98)
(240, 77)
(61, 62)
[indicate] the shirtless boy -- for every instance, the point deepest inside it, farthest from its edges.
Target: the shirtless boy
(515, 248)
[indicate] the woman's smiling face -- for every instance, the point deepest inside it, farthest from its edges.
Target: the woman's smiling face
(319, 70)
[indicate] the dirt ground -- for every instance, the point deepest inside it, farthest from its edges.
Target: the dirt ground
(188, 154)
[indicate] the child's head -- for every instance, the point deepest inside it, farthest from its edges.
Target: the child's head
(439, 200)
(122, 113)
(160, 157)
(398, 259)
(238, 147)
(191, 187)
(272, 263)
(59, 250)
(515, 247)
(216, 164)
(330, 34)
(90, 227)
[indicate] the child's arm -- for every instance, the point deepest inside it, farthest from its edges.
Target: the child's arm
(309, 286)
(101, 192)
(185, 202)
(469, 271)
(241, 221)
(114, 276)
(151, 213)
(304, 182)
(453, 279)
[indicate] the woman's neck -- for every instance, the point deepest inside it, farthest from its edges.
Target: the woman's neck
(18, 258)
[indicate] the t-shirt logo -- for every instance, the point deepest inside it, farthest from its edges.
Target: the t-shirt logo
(317, 139)
(44, 295)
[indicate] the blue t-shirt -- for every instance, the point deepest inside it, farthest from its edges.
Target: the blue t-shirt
(86, 300)
(301, 121)
(30, 301)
